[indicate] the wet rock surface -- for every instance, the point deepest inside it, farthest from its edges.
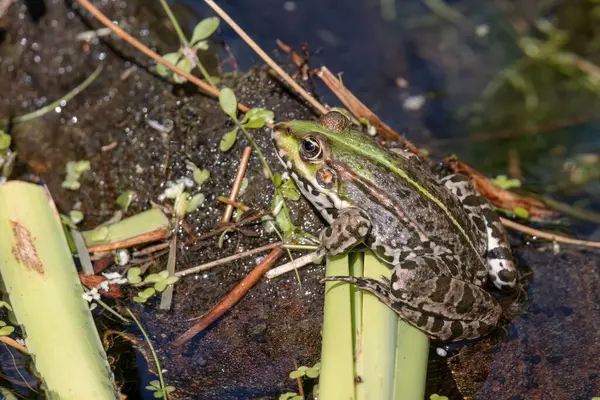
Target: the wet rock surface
(550, 350)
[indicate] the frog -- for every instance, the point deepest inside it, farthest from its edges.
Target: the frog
(441, 239)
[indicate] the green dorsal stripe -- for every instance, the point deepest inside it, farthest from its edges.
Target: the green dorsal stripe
(364, 150)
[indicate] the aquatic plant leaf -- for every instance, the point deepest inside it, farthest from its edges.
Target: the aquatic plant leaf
(201, 175)
(125, 199)
(7, 330)
(186, 65)
(133, 275)
(4, 141)
(173, 58)
(228, 102)
(228, 140)
(152, 278)
(204, 29)
(195, 202)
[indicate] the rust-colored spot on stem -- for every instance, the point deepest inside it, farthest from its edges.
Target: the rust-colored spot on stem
(24, 248)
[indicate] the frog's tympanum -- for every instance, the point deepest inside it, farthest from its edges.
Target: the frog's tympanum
(441, 239)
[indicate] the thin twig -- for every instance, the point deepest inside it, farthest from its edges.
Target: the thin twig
(141, 47)
(13, 343)
(159, 234)
(359, 110)
(167, 294)
(288, 79)
(235, 204)
(151, 249)
(545, 235)
(235, 189)
(224, 227)
(291, 266)
(154, 355)
(232, 298)
(226, 260)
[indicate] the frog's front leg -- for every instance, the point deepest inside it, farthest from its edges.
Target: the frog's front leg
(443, 307)
(350, 228)
(501, 267)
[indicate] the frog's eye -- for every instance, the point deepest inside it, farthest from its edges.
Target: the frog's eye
(311, 149)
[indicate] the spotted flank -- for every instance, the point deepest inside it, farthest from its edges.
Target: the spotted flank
(501, 267)
(446, 309)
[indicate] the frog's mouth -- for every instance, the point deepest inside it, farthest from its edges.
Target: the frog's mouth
(280, 146)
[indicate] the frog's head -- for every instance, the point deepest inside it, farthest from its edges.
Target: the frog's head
(312, 151)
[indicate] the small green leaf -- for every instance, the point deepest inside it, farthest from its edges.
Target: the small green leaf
(222, 237)
(171, 280)
(243, 186)
(155, 383)
(138, 299)
(228, 140)
(201, 175)
(133, 275)
(160, 286)
(151, 388)
(282, 219)
(181, 204)
(4, 141)
(205, 28)
(312, 372)
(76, 216)
(67, 221)
(186, 65)
(296, 374)
(289, 191)
(195, 202)
(228, 102)
(190, 166)
(152, 278)
(201, 45)
(147, 293)
(277, 179)
(5, 305)
(7, 330)
(170, 389)
(297, 397)
(257, 117)
(2, 323)
(80, 167)
(287, 396)
(503, 182)
(173, 58)
(125, 199)
(71, 184)
(158, 394)
(521, 212)
(100, 234)
(163, 274)
(437, 397)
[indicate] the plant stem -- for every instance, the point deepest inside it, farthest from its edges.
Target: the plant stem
(336, 379)
(158, 369)
(186, 44)
(182, 38)
(113, 312)
(67, 97)
(261, 156)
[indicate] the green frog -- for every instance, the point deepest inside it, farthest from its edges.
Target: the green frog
(441, 239)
